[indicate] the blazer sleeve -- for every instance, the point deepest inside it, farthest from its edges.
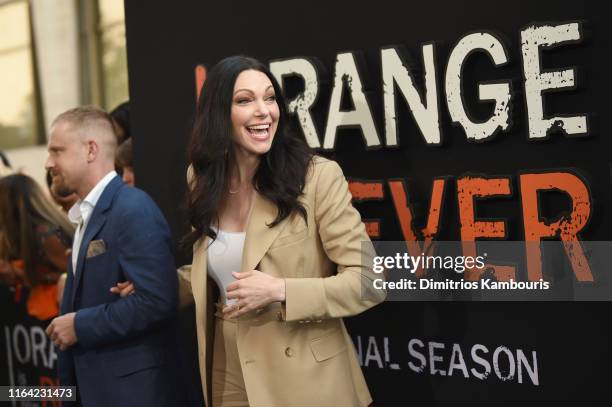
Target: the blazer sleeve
(145, 256)
(347, 244)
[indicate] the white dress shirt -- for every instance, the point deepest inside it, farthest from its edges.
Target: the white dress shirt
(81, 211)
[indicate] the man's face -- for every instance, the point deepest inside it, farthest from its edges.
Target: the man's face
(67, 159)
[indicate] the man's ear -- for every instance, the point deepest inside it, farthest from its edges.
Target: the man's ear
(92, 150)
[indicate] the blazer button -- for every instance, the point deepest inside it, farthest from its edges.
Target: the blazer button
(289, 352)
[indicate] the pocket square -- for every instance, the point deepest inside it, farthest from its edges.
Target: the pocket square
(95, 248)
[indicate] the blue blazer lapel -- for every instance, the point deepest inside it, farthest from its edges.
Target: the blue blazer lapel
(67, 305)
(96, 221)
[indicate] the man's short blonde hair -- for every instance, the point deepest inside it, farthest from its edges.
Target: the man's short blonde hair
(91, 120)
(84, 116)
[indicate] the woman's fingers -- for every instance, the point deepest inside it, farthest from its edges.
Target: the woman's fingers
(238, 309)
(123, 288)
(254, 290)
(235, 294)
(127, 290)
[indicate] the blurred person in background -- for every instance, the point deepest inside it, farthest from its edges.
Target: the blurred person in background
(124, 158)
(124, 162)
(35, 237)
(121, 121)
(5, 165)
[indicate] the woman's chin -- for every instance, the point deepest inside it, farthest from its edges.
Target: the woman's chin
(255, 148)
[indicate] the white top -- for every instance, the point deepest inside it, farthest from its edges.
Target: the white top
(225, 256)
(81, 211)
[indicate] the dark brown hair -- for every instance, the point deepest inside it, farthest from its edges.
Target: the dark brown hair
(281, 174)
(24, 207)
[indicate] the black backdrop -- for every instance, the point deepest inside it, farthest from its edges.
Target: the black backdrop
(167, 40)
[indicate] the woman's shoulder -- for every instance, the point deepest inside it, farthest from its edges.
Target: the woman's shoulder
(54, 245)
(53, 235)
(321, 165)
(323, 170)
(324, 176)
(44, 230)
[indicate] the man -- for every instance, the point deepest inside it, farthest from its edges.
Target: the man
(117, 350)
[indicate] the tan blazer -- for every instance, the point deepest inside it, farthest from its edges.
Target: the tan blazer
(298, 353)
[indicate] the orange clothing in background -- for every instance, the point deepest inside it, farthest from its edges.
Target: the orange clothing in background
(42, 300)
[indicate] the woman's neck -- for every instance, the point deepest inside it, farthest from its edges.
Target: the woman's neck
(244, 170)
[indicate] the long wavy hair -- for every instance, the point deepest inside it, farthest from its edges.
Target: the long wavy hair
(281, 174)
(24, 207)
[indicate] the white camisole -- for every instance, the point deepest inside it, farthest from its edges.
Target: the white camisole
(225, 256)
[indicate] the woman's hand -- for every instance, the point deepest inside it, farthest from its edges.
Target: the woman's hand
(253, 290)
(123, 289)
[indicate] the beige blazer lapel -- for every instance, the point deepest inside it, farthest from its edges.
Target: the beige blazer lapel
(199, 273)
(198, 288)
(259, 236)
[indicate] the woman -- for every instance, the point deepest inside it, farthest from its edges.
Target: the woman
(34, 240)
(276, 234)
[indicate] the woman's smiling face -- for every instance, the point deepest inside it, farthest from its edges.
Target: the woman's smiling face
(254, 113)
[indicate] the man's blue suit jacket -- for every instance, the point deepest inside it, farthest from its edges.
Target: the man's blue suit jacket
(125, 354)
